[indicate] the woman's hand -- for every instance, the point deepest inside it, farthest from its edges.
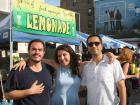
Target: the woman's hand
(137, 76)
(111, 57)
(20, 65)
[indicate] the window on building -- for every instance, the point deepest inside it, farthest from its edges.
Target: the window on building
(89, 12)
(89, 1)
(89, 23)
(62, 3)
(74, 2)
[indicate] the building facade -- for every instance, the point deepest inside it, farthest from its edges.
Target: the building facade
(84, 11)
(4, 8)
(118, 18)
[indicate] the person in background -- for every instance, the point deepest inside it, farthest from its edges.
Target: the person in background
(32, 85)
(102, 79)
(118, 18)
(106, 22)
(137, 55)
(111, 12)
(125, 58)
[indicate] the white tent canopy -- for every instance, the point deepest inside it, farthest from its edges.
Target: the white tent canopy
(108, 42)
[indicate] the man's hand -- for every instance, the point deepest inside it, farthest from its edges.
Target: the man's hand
(36, 89)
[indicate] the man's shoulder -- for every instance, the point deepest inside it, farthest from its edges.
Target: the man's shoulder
(116, 61)
(87, 63)
(48, 67)
(13, 70)
(17, 71)
(106, 58)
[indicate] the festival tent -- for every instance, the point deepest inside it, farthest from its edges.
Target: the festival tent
(26, 37)
(108, 42)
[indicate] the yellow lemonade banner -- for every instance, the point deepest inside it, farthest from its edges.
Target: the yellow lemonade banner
(39, 18)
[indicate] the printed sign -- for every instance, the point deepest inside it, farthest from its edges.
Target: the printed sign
(40, 18)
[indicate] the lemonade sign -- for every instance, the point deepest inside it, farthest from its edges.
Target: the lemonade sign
(36, 17)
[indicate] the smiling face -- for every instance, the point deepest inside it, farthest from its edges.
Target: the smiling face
(36, 52)
(63, 58)
(66, 57)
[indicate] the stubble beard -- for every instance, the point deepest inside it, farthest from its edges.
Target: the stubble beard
(35, 61)
(96, 53)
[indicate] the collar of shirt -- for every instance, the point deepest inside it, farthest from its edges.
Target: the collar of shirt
(105, 59)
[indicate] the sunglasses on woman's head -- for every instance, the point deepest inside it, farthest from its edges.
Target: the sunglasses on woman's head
(90, 44)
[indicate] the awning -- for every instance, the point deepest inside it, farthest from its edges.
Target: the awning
(26, 37)
(108, 42)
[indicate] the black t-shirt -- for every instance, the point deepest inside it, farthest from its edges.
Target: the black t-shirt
(20, 80)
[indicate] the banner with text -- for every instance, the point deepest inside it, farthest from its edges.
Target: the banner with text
(40, 18)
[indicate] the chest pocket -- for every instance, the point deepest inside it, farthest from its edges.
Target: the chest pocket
(105, 73)
(90, 75)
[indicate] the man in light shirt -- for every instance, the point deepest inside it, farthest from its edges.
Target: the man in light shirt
(101, 78)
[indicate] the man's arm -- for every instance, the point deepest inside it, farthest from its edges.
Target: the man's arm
(18, 94)
(122, 92)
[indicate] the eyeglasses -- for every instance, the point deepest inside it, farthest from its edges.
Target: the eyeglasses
(90, 44)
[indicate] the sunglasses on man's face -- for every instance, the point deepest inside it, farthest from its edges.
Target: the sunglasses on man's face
(90, 44)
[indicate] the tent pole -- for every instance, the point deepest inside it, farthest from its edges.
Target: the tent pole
(11, 43)
(79, 27)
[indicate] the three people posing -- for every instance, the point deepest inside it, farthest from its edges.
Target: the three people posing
(68, 76)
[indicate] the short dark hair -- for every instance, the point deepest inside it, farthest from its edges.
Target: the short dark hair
(96, 35)
(36, 40)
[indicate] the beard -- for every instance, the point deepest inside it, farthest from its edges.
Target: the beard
(34, 60)
(95, 53)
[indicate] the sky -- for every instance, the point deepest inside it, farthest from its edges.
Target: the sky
(53, 2)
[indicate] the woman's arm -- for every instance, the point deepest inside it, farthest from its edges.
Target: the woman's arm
(51, 62)
(22, 64)
(125, 71)
(111, 57)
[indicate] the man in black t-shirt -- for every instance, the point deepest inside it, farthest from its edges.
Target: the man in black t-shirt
(32, 85)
